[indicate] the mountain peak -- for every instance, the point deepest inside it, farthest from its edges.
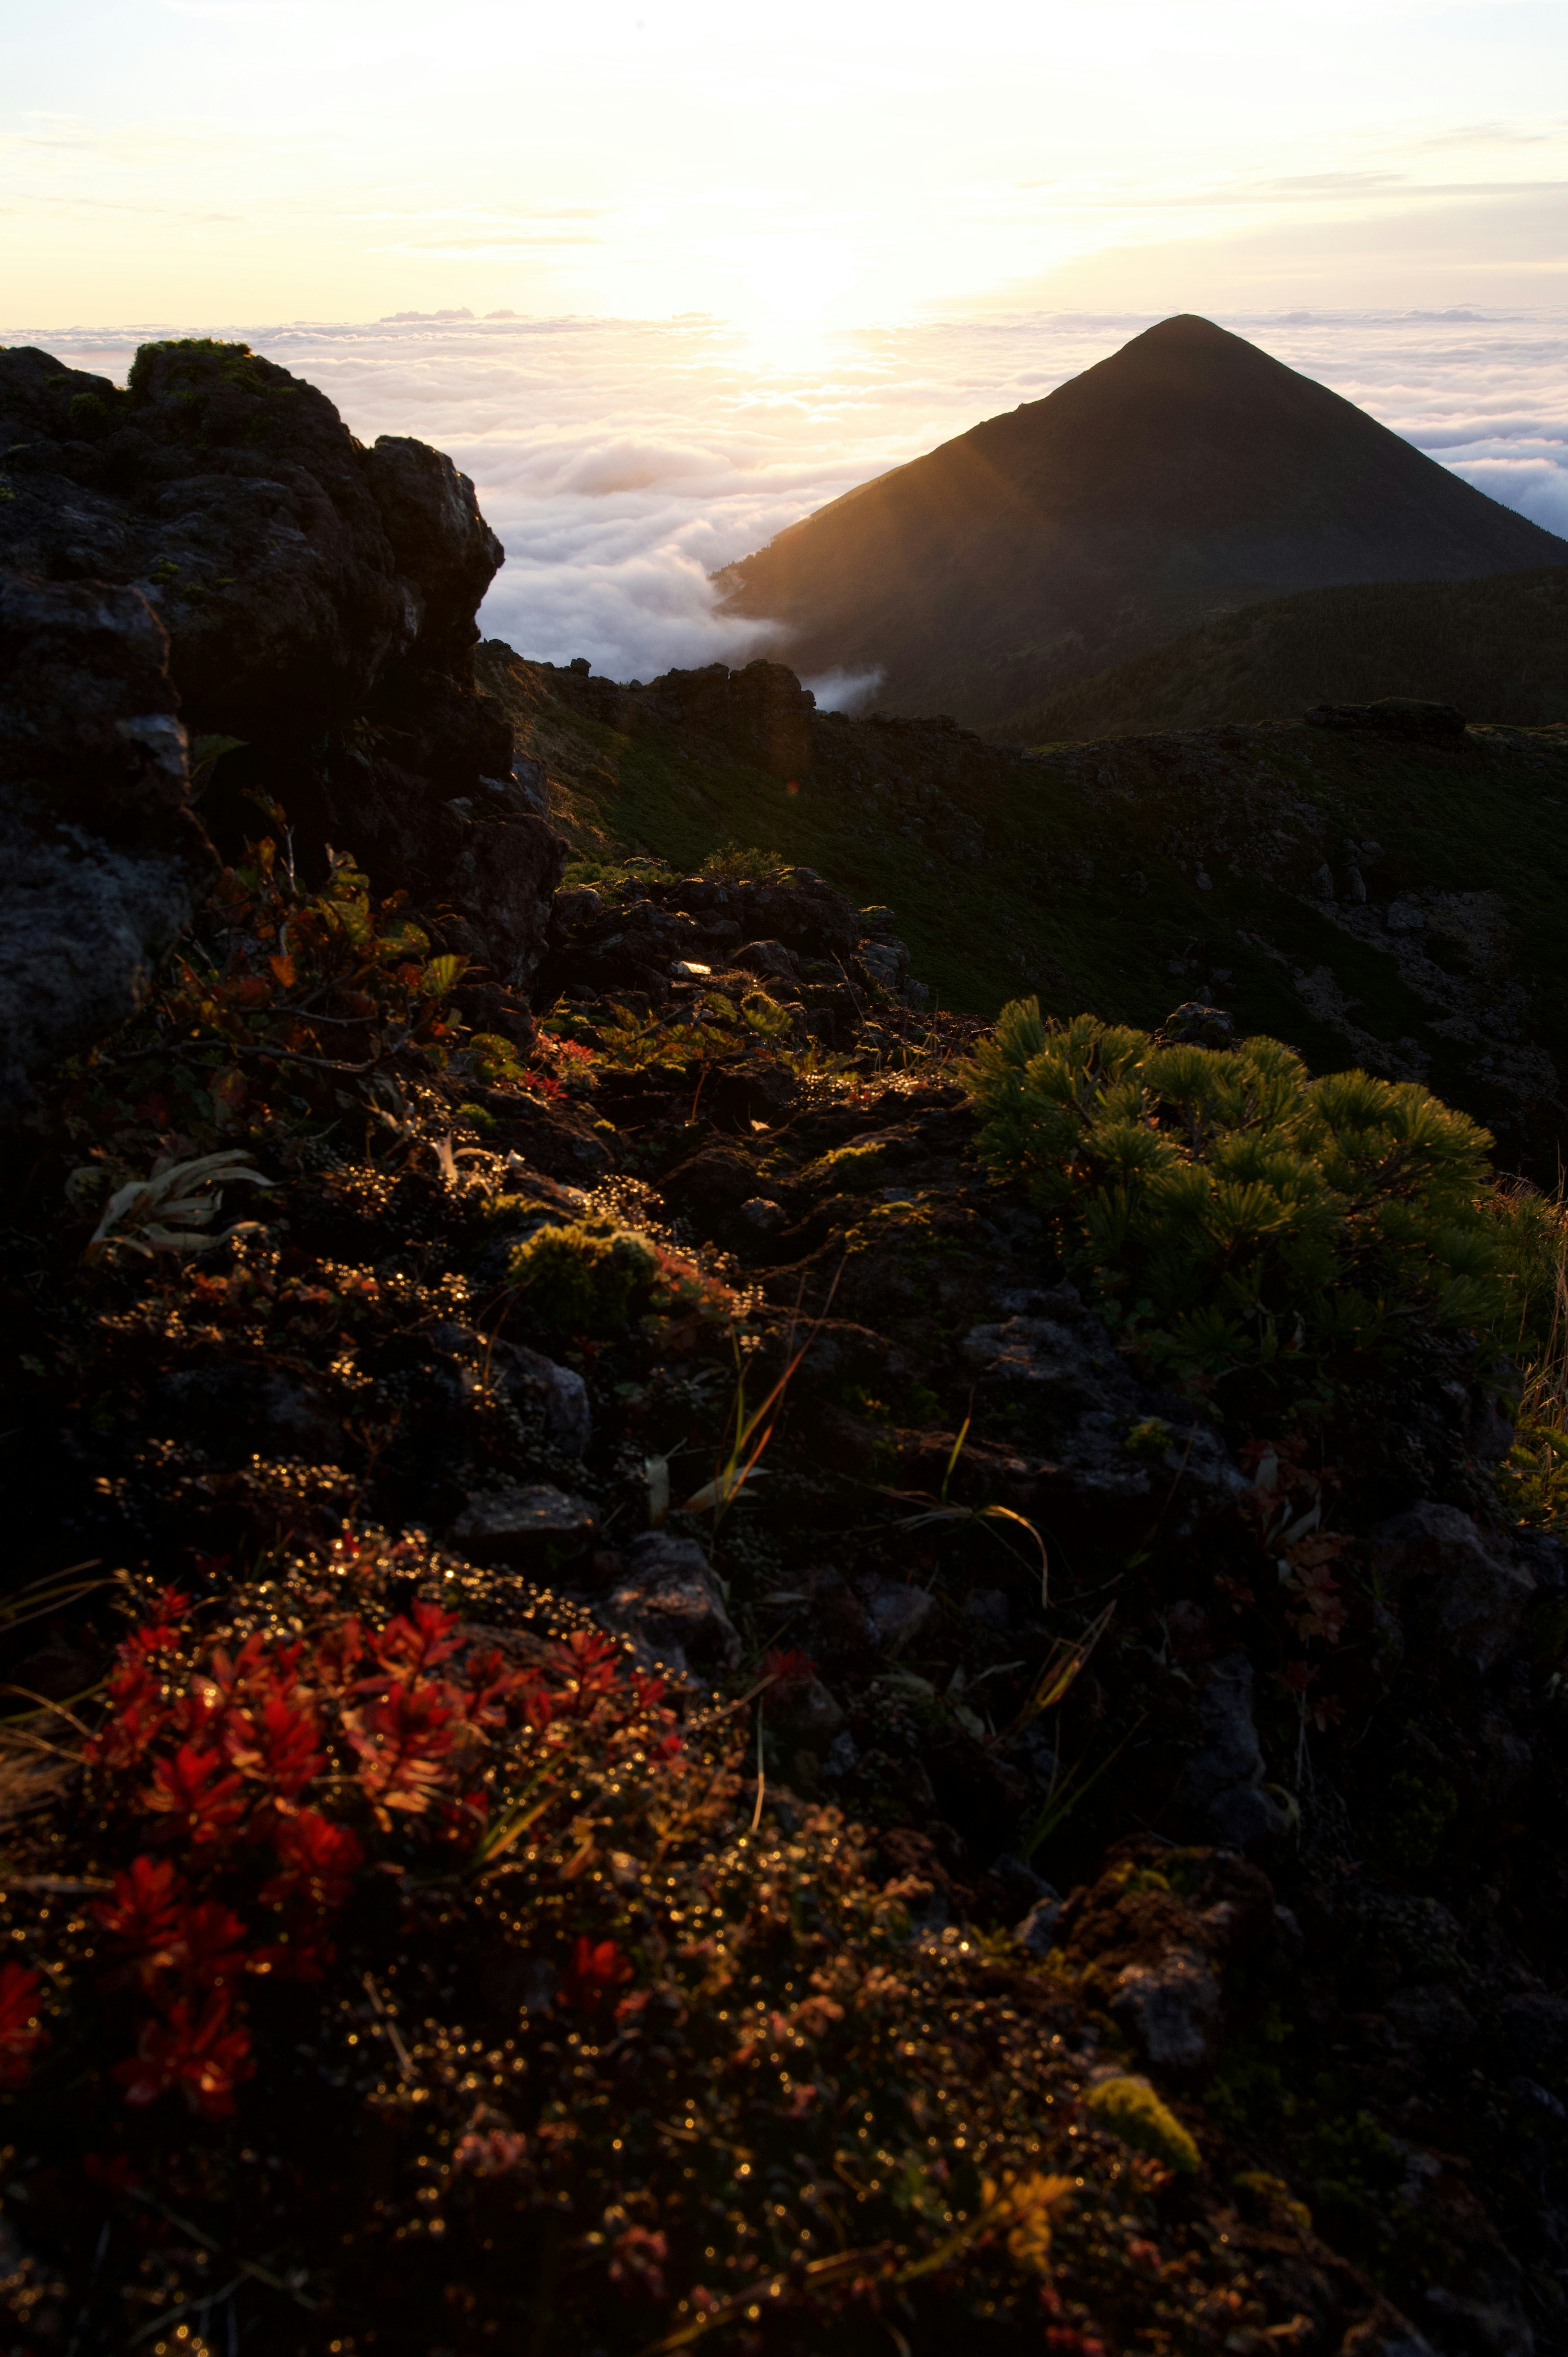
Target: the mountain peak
(1185, 475)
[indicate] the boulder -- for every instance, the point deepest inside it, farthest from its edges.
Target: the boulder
(1222, 1785)
(667, 1596)
(100, 858)
(1452, 1580)
(536, 1527)
(568, 1418)
(1083, 1405)
(320, 601)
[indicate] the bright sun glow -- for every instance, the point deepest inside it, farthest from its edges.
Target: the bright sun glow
(202, 160)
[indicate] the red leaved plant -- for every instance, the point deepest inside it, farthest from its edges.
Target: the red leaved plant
(259, 1783)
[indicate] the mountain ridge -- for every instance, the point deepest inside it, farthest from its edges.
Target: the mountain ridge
(1496, 647)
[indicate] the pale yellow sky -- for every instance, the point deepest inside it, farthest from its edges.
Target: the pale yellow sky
(187, 162)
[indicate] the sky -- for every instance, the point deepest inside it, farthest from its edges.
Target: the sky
(723, 262)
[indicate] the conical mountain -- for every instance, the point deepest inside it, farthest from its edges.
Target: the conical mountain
(1187, 474)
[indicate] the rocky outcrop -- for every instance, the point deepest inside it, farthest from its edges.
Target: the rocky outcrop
(320, 601)
(796, 933)
(99, 855)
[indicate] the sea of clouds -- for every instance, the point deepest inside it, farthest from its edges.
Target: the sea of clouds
(623, 462)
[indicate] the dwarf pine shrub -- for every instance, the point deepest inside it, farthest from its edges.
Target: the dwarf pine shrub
(1231, 1209)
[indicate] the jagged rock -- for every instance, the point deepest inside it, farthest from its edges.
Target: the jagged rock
(1222, 1785)
(761, 1213)
(887, 962)
(1447, 1575)
(100, 858)
(1431, 2014)
(319, 600)
(667, 1596)
(770, 958)
(714, 1182)
(1172, 2008)
(762, 712)
(810, 1713)
(1037, 1931)
(277, 1411)
(894, 1612)
(1198, 1025)
(537, 1527)
(1536, 2028)
(1064, 1369)
(568, 1418)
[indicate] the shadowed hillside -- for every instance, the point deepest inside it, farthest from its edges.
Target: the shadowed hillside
(1496, 647)
(1222, 864)
(1185, 475)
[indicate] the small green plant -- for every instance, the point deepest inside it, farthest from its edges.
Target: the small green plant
(587, 1278)
(1253, 1215)
(740, 863)
(1130, 2109)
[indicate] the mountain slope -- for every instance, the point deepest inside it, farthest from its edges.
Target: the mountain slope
(1187, 474)
(1125, 876)
(1496, 647)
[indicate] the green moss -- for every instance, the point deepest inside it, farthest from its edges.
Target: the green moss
(1150, 1439)
(849, 1167)
(586, 1278)
(1130, 2109)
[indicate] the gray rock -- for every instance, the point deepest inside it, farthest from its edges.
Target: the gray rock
(1536, 2028)
(1433, 2015)
(1066, 1371)
(1222, 1786)
(667, 1597)
(895, 1612)
(771, 960)
(810, 1713)
(1437, 1566)
(1404, 917)
(761, 1213)
(1037, 1931)
(568, 1418)
(1320, 883)
(536, 1527)
(887, 962)
(1172, 2008)
(100, 859)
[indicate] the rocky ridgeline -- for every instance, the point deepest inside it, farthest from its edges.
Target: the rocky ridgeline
(1196, 1981)
(210, 556)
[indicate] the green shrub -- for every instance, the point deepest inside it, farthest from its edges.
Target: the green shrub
(586, 1278)
(1130, 2109)
(1235, 1210)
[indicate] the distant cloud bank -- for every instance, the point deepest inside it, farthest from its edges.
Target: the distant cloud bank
(622, 462)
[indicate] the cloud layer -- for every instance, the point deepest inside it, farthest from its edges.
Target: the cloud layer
(622, 462)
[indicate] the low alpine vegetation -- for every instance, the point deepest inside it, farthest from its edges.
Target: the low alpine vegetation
(1233, 1212)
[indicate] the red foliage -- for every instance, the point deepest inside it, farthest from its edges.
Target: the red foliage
(21, 2033)
(595, 1970)
(202, 2054)
(247, 1770)
(788, 1668)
